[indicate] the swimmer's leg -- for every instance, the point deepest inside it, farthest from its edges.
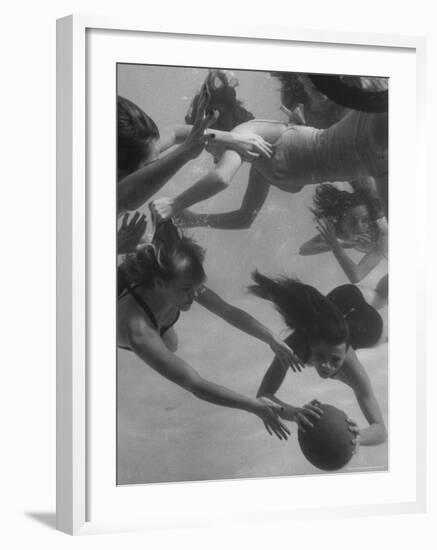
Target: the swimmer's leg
(242, 218)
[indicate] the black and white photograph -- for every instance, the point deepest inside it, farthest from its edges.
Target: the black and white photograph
(252, 274)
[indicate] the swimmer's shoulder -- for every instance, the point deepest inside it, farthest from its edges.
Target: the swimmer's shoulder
(132, 317)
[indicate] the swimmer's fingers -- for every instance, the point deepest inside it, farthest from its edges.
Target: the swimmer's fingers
(302, 421)
(264, 147)
(356, 443)
(326, 230)
(313, 411)
(210, 117)
(136, 222)
(203, 103)
(268, 428)
(251, 146)
(124, 221)
(280, 430)
(134, 219)
(250, 156)
(259, 146)
(271, 419)
(297, 363)
(354, 429)
(141, 225)
(285, 355)
(130, 233)
(316, 403)
(321, 229)
(353, 426)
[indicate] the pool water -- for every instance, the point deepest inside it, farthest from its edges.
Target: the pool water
(166, 434)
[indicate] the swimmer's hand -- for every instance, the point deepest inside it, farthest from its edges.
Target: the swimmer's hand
(162, 209)
(296, 116)
(269, 413)
(286, 355)
(354, 429)
(304, 416)
(205, 117)
(130, 233)
(327, 232)
(249, 146)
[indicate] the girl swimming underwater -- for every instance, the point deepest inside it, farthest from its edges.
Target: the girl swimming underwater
(327, 331)
(353, 147)
(156, 284)
(355, 221)
(142, 169)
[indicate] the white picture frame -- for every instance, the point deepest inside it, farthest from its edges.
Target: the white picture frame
(75, 237)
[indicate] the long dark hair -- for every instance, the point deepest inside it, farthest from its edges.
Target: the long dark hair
(292, 89)
(293, 92)
(223, 98)
(333, 203)
(303, 308)
(134, 130)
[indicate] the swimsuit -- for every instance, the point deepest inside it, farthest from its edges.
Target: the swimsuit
(343, 152)
(125, 288)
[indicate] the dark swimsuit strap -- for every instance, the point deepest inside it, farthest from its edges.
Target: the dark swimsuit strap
(144, 305)
(130, 289)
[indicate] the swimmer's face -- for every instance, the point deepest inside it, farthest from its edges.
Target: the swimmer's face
(181, 292)
(327, 358)
(356, 222)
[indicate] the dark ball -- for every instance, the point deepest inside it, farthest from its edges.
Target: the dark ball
(328, 444)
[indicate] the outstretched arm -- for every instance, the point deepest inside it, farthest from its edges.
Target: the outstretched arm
(136, 188)
(354, 271)
(253, 200)
(139, 186)
(249, 145)
(218, 179)
(317, 245)
(354, 375)
(272, 381)
(248, 324)
(215, 181)
(147, 344)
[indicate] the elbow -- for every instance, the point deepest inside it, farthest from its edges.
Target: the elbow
(379, 435)
(221, 180)
(354, 278)
(246, 219)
